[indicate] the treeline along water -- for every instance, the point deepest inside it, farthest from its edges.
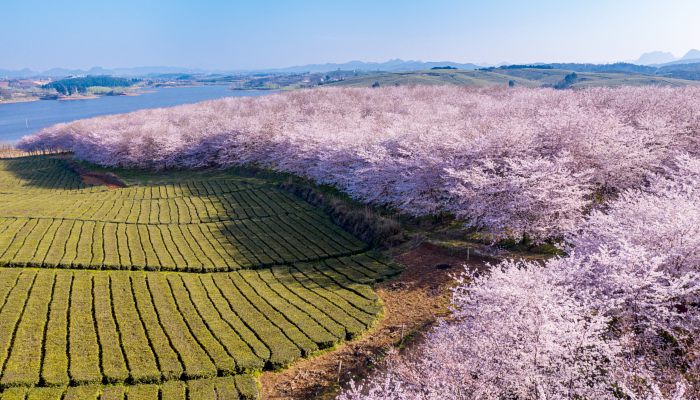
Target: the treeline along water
(19, 119)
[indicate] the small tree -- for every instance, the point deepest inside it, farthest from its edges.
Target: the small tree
(568, 80)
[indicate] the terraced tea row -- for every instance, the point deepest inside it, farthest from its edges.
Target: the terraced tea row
(64, 327)
(37, 173)
(218, 223)
(222, 246)
(122, 205)
(83, 319)
(220, 388)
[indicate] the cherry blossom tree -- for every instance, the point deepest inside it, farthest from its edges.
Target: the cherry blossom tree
(614, 174)
(519, 332)
(421, 150)
(617, 318)
(516, 197)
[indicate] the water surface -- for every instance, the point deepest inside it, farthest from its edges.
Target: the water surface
(19, 119)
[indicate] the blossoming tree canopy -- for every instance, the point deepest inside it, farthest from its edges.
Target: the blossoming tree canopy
(513, 161)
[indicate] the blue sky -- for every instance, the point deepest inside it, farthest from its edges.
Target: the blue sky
(218, 34)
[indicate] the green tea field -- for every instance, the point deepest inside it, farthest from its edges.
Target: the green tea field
(179, 285)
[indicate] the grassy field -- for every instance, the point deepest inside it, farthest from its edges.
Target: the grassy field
(527, 77)
(180, 285)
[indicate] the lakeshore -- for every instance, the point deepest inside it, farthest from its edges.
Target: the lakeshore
(24, 118)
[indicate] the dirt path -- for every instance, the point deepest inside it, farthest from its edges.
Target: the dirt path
(412, 302)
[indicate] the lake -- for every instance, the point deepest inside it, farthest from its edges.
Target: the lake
(19, 119)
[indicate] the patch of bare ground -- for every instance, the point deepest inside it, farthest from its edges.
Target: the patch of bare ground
(97, 178)
(102, 180)
(413, 301)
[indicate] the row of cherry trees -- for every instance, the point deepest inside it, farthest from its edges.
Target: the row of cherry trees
(512, 161)
(612, 174)
(617, 319)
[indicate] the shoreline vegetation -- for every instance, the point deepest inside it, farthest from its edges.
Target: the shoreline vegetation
(84, 88)
(95, 95)
(132, 93)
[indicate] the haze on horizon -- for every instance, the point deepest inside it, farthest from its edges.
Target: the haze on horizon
(238, 35)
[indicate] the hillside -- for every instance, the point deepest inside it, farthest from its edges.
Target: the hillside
(609, 177)
(527, 77)
(82, 85)
(177, 285)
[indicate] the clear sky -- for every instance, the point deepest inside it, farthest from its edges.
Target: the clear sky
(221, 34)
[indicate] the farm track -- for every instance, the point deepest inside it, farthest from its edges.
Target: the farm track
(167, 290)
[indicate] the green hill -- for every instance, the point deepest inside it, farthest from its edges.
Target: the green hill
(70, 86)
(528, 77)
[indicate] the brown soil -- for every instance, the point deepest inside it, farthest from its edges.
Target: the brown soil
(97, 178)
(412, 303)
(93, 178)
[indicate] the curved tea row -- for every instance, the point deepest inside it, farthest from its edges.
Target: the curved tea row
(98, 298)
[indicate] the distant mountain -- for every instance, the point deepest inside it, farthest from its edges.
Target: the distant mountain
(395, 65)
(95, 71)
(655, 57)
(145, 71)
(15, 74)
(99, 71)
(661, 58)
(691, 55)
(648, 63)
(61, 72)
(52, 73)
(132, 72)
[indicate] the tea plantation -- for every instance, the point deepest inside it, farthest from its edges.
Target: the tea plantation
(177, 286)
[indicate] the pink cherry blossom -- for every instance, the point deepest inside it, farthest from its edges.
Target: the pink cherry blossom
(514, 162)
(613, 175)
